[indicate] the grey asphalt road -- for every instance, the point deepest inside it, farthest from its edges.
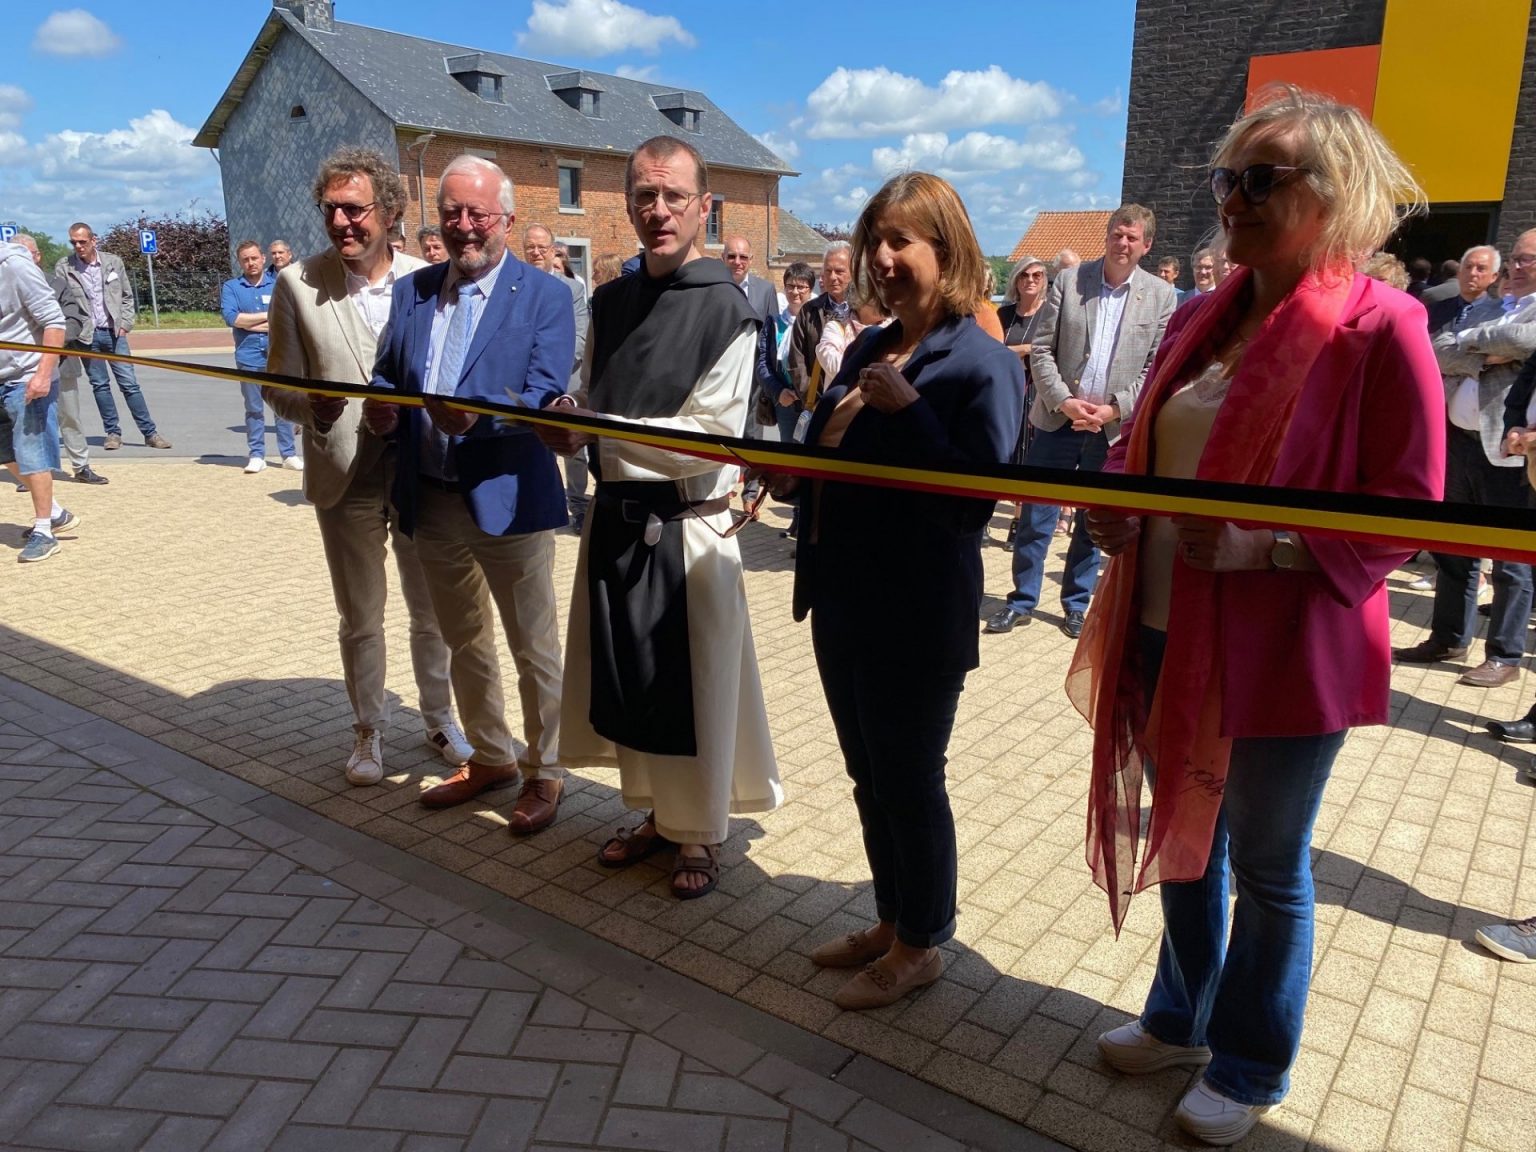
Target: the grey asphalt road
(203, 417)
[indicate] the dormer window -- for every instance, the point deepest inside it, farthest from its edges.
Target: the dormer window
(297, 113)
(682, 108)
(479, 74)
(580, 90)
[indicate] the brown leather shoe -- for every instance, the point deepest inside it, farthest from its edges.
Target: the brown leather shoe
(468, 782)
(1428, 652)
(1491, 674)
(874, 987)
(536, 807)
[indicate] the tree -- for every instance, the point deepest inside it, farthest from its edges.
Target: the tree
(1001, 266)
(191, 259)
(51, 249)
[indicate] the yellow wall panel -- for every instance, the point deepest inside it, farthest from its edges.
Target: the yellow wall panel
(1454, 133)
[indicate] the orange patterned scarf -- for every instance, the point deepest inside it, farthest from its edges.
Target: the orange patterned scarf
(1179, 730)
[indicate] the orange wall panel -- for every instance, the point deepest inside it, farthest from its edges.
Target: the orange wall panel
(1346, 74)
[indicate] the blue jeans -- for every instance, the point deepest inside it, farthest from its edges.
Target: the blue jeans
(1246, 997)
(1069, 450)
(29, 429)
(1471, 479)
(256, 423)
(893, 725)
(101, 375)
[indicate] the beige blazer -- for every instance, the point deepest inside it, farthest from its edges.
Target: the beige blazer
(315, 331)
(1063, 338)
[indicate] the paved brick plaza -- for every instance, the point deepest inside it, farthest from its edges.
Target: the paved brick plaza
(193, 609)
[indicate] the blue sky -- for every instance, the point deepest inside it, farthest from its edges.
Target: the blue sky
(1021, 105)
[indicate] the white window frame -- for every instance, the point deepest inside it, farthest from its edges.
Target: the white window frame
(574, 242)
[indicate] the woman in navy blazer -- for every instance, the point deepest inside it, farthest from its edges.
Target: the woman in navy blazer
(892, 578)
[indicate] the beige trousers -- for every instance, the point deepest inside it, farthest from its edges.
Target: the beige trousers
(354, 532)
(466, 570)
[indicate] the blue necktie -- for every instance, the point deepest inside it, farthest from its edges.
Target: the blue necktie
(461, 329)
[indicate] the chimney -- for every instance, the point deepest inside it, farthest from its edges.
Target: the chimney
(317, 14)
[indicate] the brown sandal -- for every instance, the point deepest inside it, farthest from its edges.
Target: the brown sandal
(708, 866)
(636, 845)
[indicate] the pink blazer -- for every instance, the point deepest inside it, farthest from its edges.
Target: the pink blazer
(1308, 652)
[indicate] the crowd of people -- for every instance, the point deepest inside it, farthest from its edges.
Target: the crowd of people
(1219, 665)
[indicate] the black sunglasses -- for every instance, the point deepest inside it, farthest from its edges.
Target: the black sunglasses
(1255, 182)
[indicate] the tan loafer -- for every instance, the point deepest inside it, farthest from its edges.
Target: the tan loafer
(875, 988)
(468, 782)
(851, 951)
(537, 805)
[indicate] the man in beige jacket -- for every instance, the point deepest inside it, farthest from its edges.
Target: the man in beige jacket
(323, 324)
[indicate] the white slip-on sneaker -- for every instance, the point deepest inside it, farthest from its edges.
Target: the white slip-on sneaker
(1209, 1116)
(254, 465)
(293, 463)
(449, 743)
(366, 764)
(1133, 1050)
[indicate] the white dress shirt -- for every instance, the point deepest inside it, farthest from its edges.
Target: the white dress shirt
(372, 300)
(1093, 385)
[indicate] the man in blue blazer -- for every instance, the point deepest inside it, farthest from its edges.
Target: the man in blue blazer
(482, 500)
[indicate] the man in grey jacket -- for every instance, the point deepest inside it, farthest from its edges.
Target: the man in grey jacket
(1098, 331)
(1480, 358)
(100, 282)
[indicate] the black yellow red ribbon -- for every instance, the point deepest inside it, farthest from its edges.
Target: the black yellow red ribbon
(1461, 529)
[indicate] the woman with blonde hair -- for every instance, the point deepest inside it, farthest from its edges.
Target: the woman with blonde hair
(1228, 661)
(892, 578)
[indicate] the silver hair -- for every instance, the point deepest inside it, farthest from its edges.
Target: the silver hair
(837, 246)
(479, 166)
(1498, 261)
(1011, 290)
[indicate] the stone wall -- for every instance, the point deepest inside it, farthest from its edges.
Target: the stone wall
(269, 159)
(1189, 74)
(1519, 210)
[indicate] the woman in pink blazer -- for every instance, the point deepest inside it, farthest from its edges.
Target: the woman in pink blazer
(1229, 662)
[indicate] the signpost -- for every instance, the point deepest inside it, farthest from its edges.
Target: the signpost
(149, 246)
(8, 233)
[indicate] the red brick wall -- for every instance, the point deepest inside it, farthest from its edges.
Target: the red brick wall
(750, 198)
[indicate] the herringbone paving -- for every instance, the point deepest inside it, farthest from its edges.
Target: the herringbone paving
(181, 972)
(193, 608)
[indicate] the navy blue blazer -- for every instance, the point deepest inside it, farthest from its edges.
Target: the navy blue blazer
(895, 573)
(525, 342)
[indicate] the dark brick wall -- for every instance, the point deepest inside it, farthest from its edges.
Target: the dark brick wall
(1519, 210)
(1189, 73)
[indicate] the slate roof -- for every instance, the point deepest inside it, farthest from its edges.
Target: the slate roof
(798, 237)
(406, 78)
(1083, 232)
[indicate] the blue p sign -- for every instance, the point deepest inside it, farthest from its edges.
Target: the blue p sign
(147, 244)
(7, 232)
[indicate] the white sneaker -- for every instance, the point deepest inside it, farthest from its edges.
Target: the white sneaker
(366, 764)
(449, 743)
(1133, 1050)
(293, 463)
(254, 465)
(1209, 1116)
(1425, 583)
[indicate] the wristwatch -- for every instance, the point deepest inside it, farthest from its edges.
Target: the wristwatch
(1283, 554)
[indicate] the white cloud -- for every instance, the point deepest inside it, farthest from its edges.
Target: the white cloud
(646, 72)
(107, 177)
(1109, 106)
(852, 201)
(75, 32)
(859, 102)
(977, 152)
(781, 144)
(597, 28)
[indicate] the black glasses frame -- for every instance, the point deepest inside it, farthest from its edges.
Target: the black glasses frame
(1256, 182)
(353, 212)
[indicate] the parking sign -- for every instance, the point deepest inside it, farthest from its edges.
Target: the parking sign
(147, 244)
(7, 232)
